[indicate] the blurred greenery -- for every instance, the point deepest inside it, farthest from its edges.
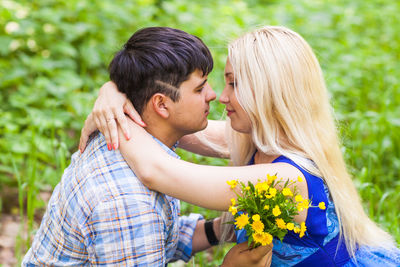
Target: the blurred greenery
(54, 57)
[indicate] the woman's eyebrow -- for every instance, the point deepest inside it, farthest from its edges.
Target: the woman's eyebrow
(228, 74)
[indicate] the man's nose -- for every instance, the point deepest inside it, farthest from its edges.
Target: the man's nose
(211, 95)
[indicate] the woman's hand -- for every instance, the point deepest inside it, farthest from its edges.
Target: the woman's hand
(109, 109)
(241, 256)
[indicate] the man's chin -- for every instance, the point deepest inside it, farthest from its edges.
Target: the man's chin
(198, 129)
(205, 123)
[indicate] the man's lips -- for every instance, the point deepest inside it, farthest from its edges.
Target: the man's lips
(207, 111)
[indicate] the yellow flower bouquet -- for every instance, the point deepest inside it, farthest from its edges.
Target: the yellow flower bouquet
(267, 209)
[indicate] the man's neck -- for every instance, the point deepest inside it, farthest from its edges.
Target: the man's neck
(167, 137)
(160, 128)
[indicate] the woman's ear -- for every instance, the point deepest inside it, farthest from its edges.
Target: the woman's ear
(160, 104)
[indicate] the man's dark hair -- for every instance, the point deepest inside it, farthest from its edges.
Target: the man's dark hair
(158, 60)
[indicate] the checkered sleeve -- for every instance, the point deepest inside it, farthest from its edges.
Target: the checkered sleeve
(187, 225)
(126, 231)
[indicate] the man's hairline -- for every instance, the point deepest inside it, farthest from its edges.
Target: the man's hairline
(172, 87)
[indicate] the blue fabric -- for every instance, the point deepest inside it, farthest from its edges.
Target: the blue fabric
(240, 234)
(328, 255)
(368, 256)
(320, 246)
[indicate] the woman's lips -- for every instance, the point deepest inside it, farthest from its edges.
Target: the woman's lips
(229, 112)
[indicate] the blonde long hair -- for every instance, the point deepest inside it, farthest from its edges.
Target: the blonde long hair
(280, 85)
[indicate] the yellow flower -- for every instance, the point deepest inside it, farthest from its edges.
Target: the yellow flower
(303, 229)
(321, 205)
(242, 221)
(300, 207)
(271, 178)
(298, 198)
(266, 207)
(257, 226)
(256, 217)
(233, 201)
(262, 238)
(233, 210)
(290, 226)
(287, 192)
(258, 237)
(247, 188)
(232, 183)
(267, 239)
(272, 192)
(300, 179)
(262, 187)
(276, 211)
(303, 205)
(296, 229)
(280, 223)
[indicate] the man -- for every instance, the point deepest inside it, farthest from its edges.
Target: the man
(100, 213)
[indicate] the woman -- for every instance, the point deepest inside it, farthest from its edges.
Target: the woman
(281, 122)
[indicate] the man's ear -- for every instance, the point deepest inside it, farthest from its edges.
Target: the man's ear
(160, 104)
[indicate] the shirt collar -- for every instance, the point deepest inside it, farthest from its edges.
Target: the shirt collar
(170, 151)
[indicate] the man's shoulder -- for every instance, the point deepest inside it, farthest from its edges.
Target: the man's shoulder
(100, 174)
(97, 160)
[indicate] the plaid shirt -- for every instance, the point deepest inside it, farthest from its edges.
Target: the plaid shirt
(101, 214)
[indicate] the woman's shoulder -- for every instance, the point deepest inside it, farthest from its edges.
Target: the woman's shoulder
(316, 187)
(283, 167)
(301, 167)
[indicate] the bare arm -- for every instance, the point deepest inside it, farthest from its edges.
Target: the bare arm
(109, 111)
(210, 142)
(197, 184)
(200, 241)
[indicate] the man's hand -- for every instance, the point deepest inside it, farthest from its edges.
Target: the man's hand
(241, 256)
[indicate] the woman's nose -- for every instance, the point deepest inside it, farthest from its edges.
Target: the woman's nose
(224, 97)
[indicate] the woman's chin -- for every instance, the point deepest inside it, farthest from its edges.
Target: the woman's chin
(240, 128)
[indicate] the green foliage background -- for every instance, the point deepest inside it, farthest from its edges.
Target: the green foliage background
(54, 57)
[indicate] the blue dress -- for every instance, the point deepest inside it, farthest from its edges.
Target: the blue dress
(320, 246)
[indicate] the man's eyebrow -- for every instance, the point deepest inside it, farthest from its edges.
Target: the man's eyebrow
(200, 85)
